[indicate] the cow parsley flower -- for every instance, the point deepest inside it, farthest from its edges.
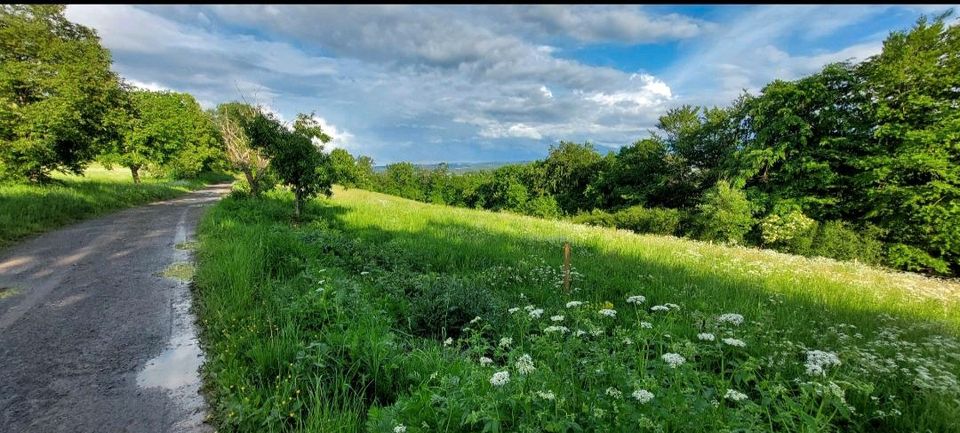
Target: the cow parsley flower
(818, 361)
(580, 333)
(613, 392)
(734, 342)
(636, 299)
(485, 361)
(546, 395)
(513, 310)
(475, 320)
(400, 428)
(672, 306)
(572, 304)
(505, 342)
(536, 313)
(525, 364)
(674, 359)
(643, 396)
(735, 395)
(552, 329)
(646, 325)
(659, 308)
(706, 336)
(529, 308)
(732, 318)
(448, 341)
(500, 378)
(608, 312)
(557, 318)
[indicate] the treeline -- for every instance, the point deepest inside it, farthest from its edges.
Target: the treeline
(858, 161)
(61, 108)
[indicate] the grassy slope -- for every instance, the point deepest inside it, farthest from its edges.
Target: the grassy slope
(29, 209)
(272, 296)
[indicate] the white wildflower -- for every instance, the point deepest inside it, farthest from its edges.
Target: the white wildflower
(448, 341)
(659, 308)
(580, 333)
(613, 392)
(572, 304)
(400, 428)
(485, 361)
(674, 359)
(536, 313)
(529, 308)
(636, 299)
(646, 325)
(672, 306)
(627, 341)
(734, 395)
(557, 318)
(642, 395)
(818, 361)
(734, 342)
(513, 310)
(732, 318)
(525, 364)
(546, 395)
(475, 320)
(596, 332)
(608, 312)
(505, 342)
(706, 336)
(500, 378)
(552, 329)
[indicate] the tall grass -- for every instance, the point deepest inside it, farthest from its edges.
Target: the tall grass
(376, 312)
(26, 209)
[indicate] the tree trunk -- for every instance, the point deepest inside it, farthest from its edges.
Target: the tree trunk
(135, 171)
(252, 181)
(296, 205)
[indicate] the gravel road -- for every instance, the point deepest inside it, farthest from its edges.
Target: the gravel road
(93, 336)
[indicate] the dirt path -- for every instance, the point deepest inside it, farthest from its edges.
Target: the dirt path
(92, 337)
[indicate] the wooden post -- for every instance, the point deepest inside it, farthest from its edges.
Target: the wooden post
(566, 267)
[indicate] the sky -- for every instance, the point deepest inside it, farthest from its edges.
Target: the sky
(481, 83)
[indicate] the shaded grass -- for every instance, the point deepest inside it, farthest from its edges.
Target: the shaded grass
(27, 209)
(311, 327)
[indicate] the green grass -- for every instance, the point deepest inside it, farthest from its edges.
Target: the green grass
(339, 322)
(27, 209)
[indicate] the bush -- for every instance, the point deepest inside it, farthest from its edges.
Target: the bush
(790, 231)
(596, 217)
(724, 214)
(839, 240)
(661, 221)
(914, 259)
(544, 206)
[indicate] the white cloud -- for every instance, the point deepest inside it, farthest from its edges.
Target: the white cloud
(152, 86)
(518, 130)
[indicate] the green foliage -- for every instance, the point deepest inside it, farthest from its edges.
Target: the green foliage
(839, 240)
(915, 259)
(568, 170)
(349, 171)
(788, 230)
(544, 206)
(233, 119)
(595, 217)
(441, 306)
(661, 221)
(57, 93)
(724, 215)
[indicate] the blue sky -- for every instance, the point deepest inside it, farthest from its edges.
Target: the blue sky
(482, 83)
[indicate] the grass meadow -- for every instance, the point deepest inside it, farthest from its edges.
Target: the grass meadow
(376, 313)
(28, 209)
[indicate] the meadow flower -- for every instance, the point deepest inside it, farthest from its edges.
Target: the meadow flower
(546, 395)
(400, 428)
(525, 364)
(646, 325)
(475, 320)
(672, 306)
(732, 318)
(636, 299)
(659, 308)
(734, 395)
(557, 318)
(734, 342)
(500, 378)
(580, 333)
(448, 341)
(674, 359)
(485, 361)
(536, 313)
(572, 304)
(560, 329)
(513, 310)
(608, 312)
(596, 332)
(642, 395)
(706, 336)
(529, 308)
(505, 342)
(627, 341)
(613, 392)
(818, 361)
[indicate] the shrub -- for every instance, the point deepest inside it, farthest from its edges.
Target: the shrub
(839, 240)
(790, 231)
(544, 206)
(596, 217)
(724, 214)
(661, 221)
(914, 259)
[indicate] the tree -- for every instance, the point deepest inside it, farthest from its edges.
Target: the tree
(56, 90)
(164, 131)
(725, 214)
(295, 154)
(233, 119)
(569, 169)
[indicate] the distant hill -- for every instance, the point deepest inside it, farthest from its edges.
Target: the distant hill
(460, 167)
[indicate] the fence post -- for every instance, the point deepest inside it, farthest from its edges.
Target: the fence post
(566, 267)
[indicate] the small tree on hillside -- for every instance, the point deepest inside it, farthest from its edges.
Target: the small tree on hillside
(232, 118)
(725, 214)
